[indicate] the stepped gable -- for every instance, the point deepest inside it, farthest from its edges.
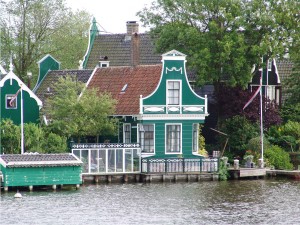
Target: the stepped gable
(126, 84)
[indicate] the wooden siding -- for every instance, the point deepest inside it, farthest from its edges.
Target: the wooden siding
(41, 176)
(30, 106)
(160, 138)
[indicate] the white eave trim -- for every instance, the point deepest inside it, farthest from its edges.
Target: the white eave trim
(171, 116)
(12, 76)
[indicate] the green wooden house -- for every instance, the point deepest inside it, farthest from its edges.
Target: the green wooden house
(39, 170)
(12, 91)
(156, 106)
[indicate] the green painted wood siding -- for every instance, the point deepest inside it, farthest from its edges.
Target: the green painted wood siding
(46, 64)
(41, 176)
(188, 96)
(186, 134)
(30, 106)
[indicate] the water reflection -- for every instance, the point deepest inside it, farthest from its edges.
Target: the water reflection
(232, 202)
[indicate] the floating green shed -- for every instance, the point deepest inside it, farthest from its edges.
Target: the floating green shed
(32, 169)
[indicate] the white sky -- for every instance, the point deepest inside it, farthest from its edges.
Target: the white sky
(112, 15)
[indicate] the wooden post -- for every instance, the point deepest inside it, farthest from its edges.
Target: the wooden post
(125, 178)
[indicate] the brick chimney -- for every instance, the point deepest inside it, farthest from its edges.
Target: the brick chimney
(135, 49)
(132, 27)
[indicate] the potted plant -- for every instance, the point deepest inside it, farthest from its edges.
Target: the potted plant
(249, 160)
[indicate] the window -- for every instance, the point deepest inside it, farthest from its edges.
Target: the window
(173, 138)
(195, 137)
(173, 92)
(127, 133)
(11, 101)
(147, 138)
(270, 61)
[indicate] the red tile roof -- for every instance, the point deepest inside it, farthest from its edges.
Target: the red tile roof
(140, 80)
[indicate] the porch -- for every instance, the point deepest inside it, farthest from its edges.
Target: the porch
(108, 158)
(109, 161)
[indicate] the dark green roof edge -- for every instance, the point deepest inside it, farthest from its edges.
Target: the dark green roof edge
(93, 33)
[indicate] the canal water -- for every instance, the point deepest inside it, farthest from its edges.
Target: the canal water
(270, 201)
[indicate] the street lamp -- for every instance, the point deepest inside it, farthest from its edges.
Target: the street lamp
(29, 75)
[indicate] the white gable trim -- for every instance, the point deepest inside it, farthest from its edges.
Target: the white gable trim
(11, 76)
(45, 57)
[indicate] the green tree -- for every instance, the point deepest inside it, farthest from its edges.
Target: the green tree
(54, 143)
(277, 157)
(10, 137)
(31, 29)
(223, 38)
(33, 137)
(239, 131)
(79, 116)
(96, 109)
(286, 136)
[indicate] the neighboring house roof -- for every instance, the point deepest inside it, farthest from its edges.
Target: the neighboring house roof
(39, 160)
(46, 86)
(126, 84)
(270, 75)
(119, 50)
(284, 68)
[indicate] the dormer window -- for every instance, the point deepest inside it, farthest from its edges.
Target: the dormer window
(103, 63)
(124, 88)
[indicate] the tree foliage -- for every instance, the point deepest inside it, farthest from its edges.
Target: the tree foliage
(222, 38)
(233, 99)
(36, 139)
(32, 29)
(239, 131)
(277, 157)
(286, 136)
(79, 116)
(10, 137)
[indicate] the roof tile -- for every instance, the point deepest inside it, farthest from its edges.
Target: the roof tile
(140, 80)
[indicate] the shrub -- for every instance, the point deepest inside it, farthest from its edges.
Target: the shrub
(277, 157)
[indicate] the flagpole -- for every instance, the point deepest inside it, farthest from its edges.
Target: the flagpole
(22, 125)
(261, 124)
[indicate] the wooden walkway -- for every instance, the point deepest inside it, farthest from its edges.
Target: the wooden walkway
(149, 177)
(247, 173)
(294, 174)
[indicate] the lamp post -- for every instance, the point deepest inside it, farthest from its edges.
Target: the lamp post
(29, 75)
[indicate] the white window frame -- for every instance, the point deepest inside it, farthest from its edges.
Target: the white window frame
(103, 64)
(195, 140)
(269, 65)
(180, 92)
(124, 132)
(141, 129)
(8, 97)
(166, 140)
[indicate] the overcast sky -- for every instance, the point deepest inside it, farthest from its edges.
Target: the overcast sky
(112, 15)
